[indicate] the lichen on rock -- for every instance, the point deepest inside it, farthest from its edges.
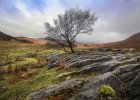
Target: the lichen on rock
(107, 90)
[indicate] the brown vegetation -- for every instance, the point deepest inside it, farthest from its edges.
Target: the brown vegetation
(131, 42)
(31, 40)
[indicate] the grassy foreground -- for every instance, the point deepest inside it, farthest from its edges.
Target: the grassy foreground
(22, 70)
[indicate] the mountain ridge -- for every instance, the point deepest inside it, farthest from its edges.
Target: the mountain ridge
(131, 42)
(5, 37)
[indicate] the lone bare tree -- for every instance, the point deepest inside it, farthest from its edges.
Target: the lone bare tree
(67, 26)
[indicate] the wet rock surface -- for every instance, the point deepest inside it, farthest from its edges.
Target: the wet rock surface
(134, 86)
(90, 90)
(118, 68)
(56, 89)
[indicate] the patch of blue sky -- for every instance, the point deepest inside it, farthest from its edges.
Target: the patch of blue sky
(36, 4)
(7, 7)
(98, 5)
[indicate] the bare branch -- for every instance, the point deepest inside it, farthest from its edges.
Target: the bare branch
(67, 26)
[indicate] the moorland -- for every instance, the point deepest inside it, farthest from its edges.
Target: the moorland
(32, 71)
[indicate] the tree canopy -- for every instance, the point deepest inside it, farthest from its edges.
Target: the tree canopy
(68, 25)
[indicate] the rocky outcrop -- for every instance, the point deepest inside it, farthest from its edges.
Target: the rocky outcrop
(134, 88)
(117, 70)
(129, 76)
(82, 63)
(88, 88)
(75, 61)
(100, 67)
(53, 60)
(56, 89)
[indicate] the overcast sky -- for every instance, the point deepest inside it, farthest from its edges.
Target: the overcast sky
(117, 19)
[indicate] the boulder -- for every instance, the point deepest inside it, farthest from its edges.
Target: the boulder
(85, 62)
(91, 68)
(113, 69)
(53, 60)
(56, 89)
(110, 66)
(131, 61)
(129, 76)
(100, 67)
(134, 87)
(128, 68)
(80, 63)
(90, 90)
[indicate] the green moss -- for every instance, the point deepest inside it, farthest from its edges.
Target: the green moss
(17, 54)
(48, 51)
(28, 98)
(107, 90)
(22, 89)
(21, 63)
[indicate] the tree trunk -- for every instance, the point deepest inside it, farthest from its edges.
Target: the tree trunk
(71, 47)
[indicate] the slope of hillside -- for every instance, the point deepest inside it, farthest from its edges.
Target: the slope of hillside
(31, 40)
(131, 42)
(5, 37)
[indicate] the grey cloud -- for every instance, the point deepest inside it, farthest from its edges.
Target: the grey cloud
(122, 22)
(116, 21)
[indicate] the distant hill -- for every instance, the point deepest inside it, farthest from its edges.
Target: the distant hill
(31, 40)
(131, 42)
(5, 37)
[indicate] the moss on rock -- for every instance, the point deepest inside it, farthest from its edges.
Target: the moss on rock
(107, 90)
